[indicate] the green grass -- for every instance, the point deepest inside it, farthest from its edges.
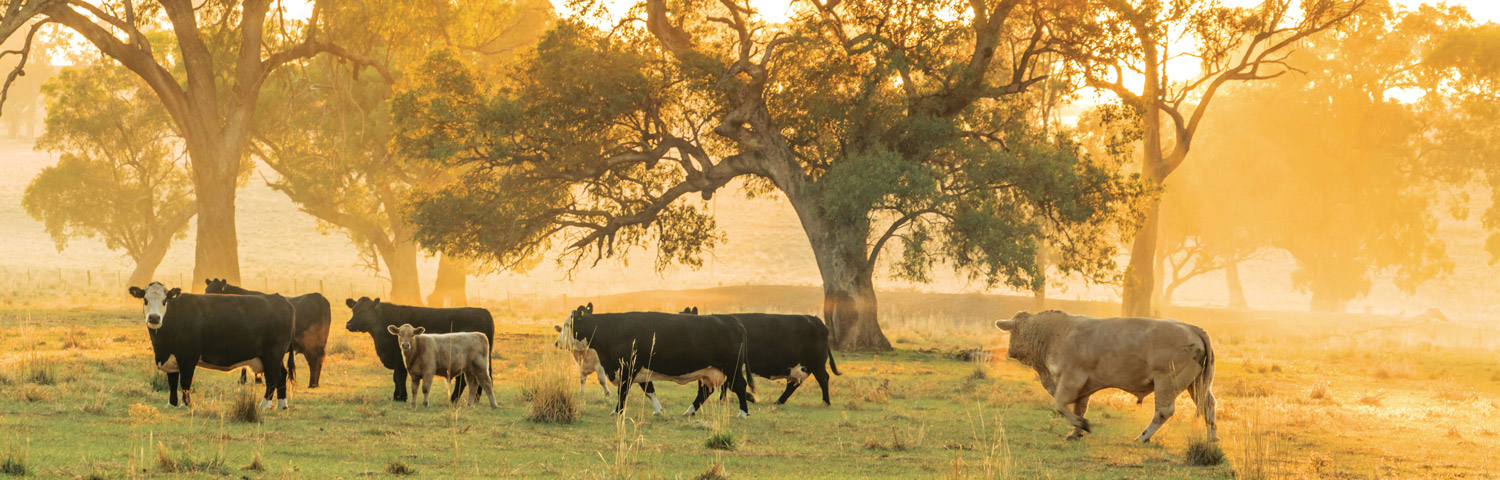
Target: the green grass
(903, 414)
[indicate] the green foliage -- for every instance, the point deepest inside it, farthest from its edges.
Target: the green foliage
(1337, 169)
(884, 139)
(1464, 61)
(119, 178)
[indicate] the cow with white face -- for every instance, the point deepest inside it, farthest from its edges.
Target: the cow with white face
(155, 297)
(218, 332)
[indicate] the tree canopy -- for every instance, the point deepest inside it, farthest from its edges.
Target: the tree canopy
(119, 178)
(880, 123)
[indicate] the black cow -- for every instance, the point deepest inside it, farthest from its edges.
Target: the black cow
(640, 347)
(374, 316)
(786, 347)
(309, 337)
(219, 332)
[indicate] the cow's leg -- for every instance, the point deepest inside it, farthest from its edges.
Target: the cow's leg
(275, 373)
(314, 358)
(244, 376)
(650, 389)
(457, 384)
(1166, 400)
(626, 377)
(427, 387)
(1066, 392)
(483, 379)
(583, 381)
(598, 374)
(1203, 397)
(416, 386)
(703, 392)
(738, 385)
(172, 380)
(187, 367)
(822, 377)
(1080, 408)
(791, 386)
(398, 376)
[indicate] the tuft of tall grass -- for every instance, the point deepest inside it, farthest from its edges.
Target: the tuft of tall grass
(13, 466)
(37, 370)
(397, 467)
(185, 463)
(720, 441)
(246, 408)
(1203, 453)
(549, 394)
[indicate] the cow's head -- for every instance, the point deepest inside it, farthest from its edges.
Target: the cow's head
(155, 298)
(366, 317)
(567, 333)
(1020, 341)
(215, 285)
(405, 335)
(690, 311)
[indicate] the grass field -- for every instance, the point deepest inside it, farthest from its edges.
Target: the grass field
(77, 400)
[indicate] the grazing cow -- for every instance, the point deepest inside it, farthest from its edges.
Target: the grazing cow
(786, 347)
(646, 346)
(374, 317)
(449, 355)
(310, 337)
(1075, 356)
(218, 332)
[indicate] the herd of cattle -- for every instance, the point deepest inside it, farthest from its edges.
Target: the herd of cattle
(230, 328)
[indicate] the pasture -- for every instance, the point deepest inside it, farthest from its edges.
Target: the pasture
(79, 402)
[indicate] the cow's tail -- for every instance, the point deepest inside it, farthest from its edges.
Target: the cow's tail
(827, 347)
(1205, 378)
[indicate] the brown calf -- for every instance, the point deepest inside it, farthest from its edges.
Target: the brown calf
(450, 355)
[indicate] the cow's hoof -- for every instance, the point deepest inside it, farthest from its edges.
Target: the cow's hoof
(1074, 436)
(1085, 425)
(744, 414)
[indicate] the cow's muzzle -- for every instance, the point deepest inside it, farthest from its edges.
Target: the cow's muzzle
(153, 321)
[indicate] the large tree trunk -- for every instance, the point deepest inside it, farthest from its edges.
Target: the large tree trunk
(218, 249)
(402, 265)
(849, 304)
(1140, 276)
(1236, 291)
(449, 290)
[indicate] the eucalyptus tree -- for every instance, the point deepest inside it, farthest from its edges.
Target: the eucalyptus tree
(119, 178)
(1113, 42)
(883, 124)
(206, 62)
(327, 128)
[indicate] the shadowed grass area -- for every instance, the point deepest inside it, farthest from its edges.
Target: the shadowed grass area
(904, 414)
